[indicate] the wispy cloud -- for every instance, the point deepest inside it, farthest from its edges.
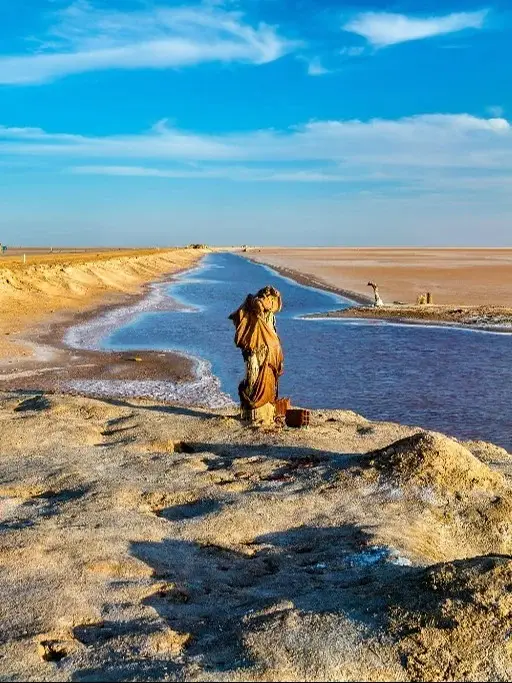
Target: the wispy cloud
(84, 38)
(148, 172)
(448, 151)
(234, 173)
(424, 140)
(385, 28)
(316, 68)
(354, 51)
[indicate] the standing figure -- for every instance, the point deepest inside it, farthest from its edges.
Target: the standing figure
(256, 336)
(378, 301)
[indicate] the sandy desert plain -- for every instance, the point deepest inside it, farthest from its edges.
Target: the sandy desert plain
(147, 541)
(469, 286)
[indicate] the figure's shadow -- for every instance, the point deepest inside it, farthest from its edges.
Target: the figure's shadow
(317, 570)
(296, 454)
(292, 465)
(166, 409)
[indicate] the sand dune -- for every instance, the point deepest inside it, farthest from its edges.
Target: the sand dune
(64, 283)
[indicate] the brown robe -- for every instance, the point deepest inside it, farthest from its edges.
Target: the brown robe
(254, 334)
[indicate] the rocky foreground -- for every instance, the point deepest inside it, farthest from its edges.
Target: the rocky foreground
(141, 541)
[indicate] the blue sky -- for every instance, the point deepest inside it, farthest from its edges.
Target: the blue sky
(256, 121)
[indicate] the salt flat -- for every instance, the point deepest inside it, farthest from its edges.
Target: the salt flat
(454, 276)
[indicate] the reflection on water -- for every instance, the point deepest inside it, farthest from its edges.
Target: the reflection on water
(451, 380)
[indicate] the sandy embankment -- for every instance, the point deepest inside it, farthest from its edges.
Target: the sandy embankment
(469, 286)
(140, 541)
(39, 301)
(54, 285)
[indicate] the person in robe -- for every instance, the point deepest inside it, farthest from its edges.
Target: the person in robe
(256, 336)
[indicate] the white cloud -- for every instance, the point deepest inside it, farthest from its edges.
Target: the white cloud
(451, 152)
(385, 28)
(423, 140)
(148, 172)
(87, 39)
(315, 67)
(235, 173)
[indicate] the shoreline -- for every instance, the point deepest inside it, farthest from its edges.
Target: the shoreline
(461, 318)
(454, 277)
(457, 317)
(63, 365)
(49, 287)
(66, 358)
(312, 281)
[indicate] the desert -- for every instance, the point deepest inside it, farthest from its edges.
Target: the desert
(147, 539)
(469, 277)
(470, 287)
(255, 341)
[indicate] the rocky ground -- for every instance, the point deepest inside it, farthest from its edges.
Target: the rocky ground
(142, 541)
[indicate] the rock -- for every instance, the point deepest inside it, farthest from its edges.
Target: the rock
(51, 650)
(170, 642)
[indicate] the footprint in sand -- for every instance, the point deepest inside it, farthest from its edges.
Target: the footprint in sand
(175, 506)
(53, 647)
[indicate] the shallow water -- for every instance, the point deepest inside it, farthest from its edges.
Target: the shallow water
(448, 379)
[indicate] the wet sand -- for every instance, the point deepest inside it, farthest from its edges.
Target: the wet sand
(49, 285)
(34, 356)
(55, 367)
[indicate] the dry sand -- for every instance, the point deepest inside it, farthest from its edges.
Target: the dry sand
(53, 285)
(454, 276)
(148, 542)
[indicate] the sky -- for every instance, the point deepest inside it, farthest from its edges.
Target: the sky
(271, 122)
